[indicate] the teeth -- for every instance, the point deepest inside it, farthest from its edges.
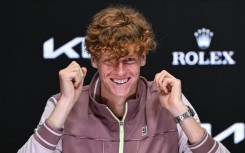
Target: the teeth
(120, 81)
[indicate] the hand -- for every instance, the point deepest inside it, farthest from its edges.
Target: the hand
(71, 84)
(71, 81)
(171, 98)
(170, 93)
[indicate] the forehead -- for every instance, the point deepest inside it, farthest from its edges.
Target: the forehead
(108, 55)
(129, 50)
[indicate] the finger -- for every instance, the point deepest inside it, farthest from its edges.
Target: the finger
(84, 70)
(72, 64)
(73, 73)
(156, 79)
(74, 78)
(160, 77)
(167, 85)
(164, 85)
(81, 75)
(167, 74)
(163, 74)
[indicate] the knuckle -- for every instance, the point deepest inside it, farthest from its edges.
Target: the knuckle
(76, 68)
(74, 64)
(61, 72)
(164, 71)
(156, 75)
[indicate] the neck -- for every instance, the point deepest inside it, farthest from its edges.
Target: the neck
(117, 106)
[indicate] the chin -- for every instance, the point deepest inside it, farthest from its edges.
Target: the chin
(121, 95)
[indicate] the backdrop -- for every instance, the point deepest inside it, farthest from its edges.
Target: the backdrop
(199, 42)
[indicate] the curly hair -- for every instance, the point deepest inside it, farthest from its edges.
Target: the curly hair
(113, 28)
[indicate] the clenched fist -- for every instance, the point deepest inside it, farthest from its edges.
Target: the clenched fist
(170, 92)
(71, 84)
(71, 81)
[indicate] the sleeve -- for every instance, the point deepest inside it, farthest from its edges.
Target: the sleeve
(45, 139)
(206, 144)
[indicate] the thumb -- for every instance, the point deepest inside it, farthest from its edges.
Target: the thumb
(84, 70)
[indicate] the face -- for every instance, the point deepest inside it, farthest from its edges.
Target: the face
(119, 80)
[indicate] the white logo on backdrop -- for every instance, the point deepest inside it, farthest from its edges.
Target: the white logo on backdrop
(237, 130)
(203, 38)
(68, 49)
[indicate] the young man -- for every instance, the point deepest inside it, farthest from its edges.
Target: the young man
(119, 111)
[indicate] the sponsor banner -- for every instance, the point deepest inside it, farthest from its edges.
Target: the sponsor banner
(68, 49)
(204, 56)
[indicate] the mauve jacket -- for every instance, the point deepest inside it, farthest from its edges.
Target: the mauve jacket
(92, 128)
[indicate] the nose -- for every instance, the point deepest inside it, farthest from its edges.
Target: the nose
(119, 68)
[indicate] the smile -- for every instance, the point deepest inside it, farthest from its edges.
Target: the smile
(120, 81)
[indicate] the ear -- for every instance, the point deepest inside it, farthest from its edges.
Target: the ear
(94, 61)
(143, 59)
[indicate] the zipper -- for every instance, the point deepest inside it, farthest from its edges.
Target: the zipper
(121, 128)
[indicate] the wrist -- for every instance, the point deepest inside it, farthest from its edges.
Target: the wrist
(54, 124)
(178, 109)
(187, 114)
(59, 114)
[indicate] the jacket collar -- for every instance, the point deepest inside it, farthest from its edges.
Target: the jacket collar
(100, 109)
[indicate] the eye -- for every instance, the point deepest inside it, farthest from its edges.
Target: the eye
(109, 61)
(130, 60)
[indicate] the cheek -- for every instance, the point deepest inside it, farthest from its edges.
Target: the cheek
(134, 70)
(105, 71)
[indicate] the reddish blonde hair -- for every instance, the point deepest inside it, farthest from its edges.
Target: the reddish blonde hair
(113, 28)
